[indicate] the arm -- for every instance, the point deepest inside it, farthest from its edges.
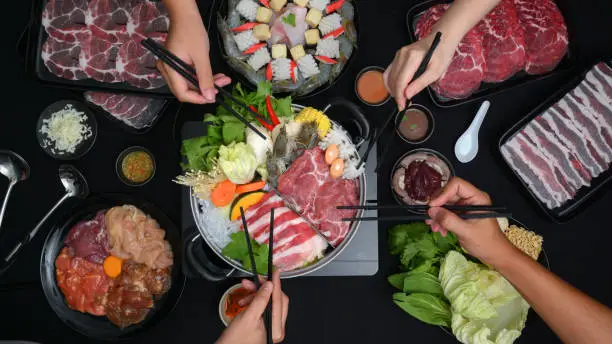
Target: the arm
(572, 315)
(454, 24)
(188, 39)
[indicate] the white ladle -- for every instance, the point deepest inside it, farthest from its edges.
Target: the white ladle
(466, 147)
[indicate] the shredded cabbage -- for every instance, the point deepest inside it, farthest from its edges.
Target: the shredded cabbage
(486, 309)
(238, 162)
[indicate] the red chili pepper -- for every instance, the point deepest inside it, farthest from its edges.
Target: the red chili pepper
(292, 68)
(271, 112)
(334, 6)
(253, 48)
(265, 3)
(262, 122)
(244, 27)
(336, 33)
(269, 72)
(326, 59)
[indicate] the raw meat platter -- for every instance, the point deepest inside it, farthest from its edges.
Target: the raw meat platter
(561, 152)
(100, 47)
(494, 65)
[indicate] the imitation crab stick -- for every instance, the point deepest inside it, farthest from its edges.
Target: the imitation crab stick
(244, 27)
(334, 6)
(325, 59)
(223, 193)
(335, 34)
(253, 48)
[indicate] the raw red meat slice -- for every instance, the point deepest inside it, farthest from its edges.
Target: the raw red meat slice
(295, 242)
(466, 71)
(137, 65)
(135, 111)
(545, 34)
(107, 19)
(99, 59)
(65, 20)
(88, 239)
(148, 19)
(308, 186)
(62, 59)
(503, 42)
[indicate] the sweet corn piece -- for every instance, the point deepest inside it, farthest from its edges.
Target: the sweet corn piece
(278, 5)
(297, 52)
(301, 3)
(312, 36)
(313, 17)
(264, 14)
(262, 32)
(279, 51)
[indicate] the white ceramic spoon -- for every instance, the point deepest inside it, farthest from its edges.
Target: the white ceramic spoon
(466, 147)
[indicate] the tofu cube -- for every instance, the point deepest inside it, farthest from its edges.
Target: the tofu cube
(264, 14)
(312, 36)
(278, 5)
(314, 17)
(278, 51)
(297, 52)
(262, 32)
(301, 3)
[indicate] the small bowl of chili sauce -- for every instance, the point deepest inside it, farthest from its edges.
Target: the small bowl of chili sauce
(229, 306)
(370, 86)
(135, 166)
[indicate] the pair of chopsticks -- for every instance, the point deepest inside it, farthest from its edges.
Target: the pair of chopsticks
(417, 74)
(491, 212)
(268, 312)
(189, 73)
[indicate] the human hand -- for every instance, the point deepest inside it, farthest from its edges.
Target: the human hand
(482, 238)
(188, 40)
(399, 75)
(248, 327)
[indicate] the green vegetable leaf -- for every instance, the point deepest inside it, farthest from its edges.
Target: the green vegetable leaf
(397, 280)
(410, 251)
(401, 235)
(428, 308)
(289, 19)
(238, 249)
(427, 247)
(445, 243)
(282, 107)
(233, 131)
(422, 282)
(199, 152)
(429, 266)
(264, 89)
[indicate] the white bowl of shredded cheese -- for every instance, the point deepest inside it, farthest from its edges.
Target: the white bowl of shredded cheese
(66, 130)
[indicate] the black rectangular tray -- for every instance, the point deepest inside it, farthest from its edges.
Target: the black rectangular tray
(585, 195)
(35, 66)
(486, 89)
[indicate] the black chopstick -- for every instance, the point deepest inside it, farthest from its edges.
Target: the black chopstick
(268, 314)
(426, 217)
(189, 73)
(420, 70)
(250, 247)
(425, 207)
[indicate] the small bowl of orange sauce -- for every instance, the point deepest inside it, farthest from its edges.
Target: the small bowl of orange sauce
(370, 86)
(229, 306)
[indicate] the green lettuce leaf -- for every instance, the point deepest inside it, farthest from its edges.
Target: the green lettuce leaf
(428, 308)
(238, 249)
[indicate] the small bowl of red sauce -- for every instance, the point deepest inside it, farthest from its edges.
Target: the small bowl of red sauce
(229, 306)
(418, 175)
(370, 86)
(135, 166)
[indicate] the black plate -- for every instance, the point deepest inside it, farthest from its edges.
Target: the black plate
(585, 194)
(100, 327)
(84, 146)
(244, 81)
(37, 38)
(486, 89)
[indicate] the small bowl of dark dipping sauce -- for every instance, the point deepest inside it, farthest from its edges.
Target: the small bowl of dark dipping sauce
(370, 86)
(135, 166)
(418, 175)
(415, 125)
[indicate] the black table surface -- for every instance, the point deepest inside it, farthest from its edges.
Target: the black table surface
(323, 309)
